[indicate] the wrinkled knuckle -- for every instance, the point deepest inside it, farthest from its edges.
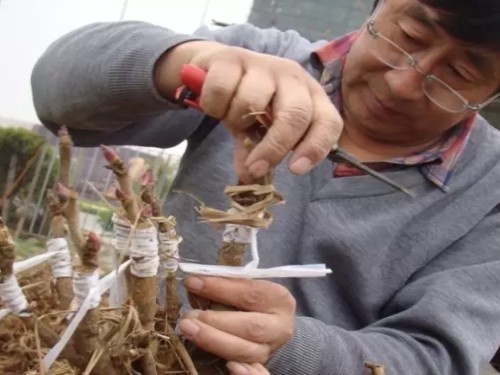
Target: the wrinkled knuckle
(219, 89)
(278, 145)
(320, 146)
(257, 330)
(296, 117)
(252, 297)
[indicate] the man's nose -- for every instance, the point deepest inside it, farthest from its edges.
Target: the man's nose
(405, 84)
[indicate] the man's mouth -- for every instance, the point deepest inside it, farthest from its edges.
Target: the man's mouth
(382, 108)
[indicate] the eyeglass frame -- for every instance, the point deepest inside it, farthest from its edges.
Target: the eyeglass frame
(412, 62)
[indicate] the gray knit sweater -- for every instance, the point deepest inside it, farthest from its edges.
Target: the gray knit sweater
(416, 282)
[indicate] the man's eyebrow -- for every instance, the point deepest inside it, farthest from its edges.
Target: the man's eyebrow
(481, 61)
(418, 13)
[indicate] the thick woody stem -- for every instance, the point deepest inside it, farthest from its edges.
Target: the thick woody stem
(143, 288)
(120, 170)
(63, 285)
(86, 338)
(65, 147)
(71, 213)
(172, 299)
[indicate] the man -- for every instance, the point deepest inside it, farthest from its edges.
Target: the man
(415, 282)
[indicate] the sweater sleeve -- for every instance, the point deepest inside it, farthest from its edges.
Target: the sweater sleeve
(444, 321)
(98, 80)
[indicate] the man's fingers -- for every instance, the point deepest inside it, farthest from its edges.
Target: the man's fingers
(255, 93)
(223, 344)
(240, 155)
(256, 327)
(246, 295)
(324, 132)
(236, 368)
(220, 86)
(292, 114)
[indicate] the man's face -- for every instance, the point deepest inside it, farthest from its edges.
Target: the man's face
(388, 104)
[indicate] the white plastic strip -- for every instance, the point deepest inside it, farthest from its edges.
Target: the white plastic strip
(12, 296)
(23, 265)
(60, 263)
(102, 286)
(254, 252)
(118, 292)
(306, 270)
(144, 252)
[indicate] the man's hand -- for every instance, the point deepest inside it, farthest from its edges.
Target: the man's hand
(236, 368)
(264, 324)
(238, 82)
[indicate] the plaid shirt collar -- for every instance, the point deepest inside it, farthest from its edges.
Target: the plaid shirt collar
(438, 161)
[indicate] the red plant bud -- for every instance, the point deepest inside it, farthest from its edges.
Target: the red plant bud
(93, 241)
(147, 178)
(119, 194)
(63, 192)
(147, 211)
(109, 154)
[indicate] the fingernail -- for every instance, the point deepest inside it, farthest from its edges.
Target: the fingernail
(237, 368)
(301, 165)
(191, 314)
(193, 283)
(259, 168)
(189, 328)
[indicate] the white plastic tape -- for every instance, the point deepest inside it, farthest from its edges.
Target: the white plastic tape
(83, 283)
(144, 252)
(98, 290)
(23, 265)
(12, 296)
(121, 234)
(168, 252)
(60, 263)
(237, 233)
(307, 270)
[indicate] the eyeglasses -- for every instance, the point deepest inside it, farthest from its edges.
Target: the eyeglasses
(439, 92)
